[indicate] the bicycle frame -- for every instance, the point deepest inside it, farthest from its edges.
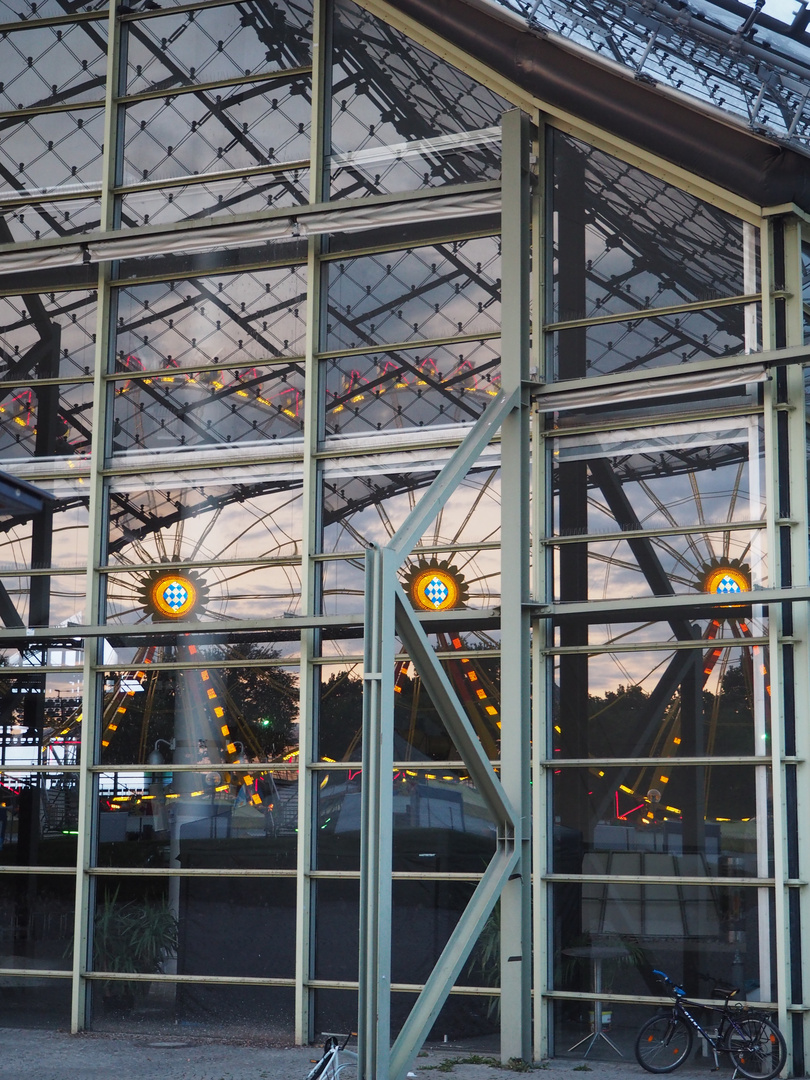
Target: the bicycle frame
(680, 1010)
(335, 1060)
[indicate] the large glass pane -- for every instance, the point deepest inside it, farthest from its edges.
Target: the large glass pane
(38, 219)
(46, 421)
(211, 1011)
(227, 406)
(36, 599)
(402, 118)
(367, 498)
(56, 537)
(695, 484)
(626, 240)
(699, 820)
(45, 335)
(39, 814)
(53, 152)
(410, 389)
(227, 705)
(53, 65)
(441, 822)
(230, 128)
(170, 926)
(210, 924)
(41, 716)
(53, 539)
(226, 527)
(610, 935)
(36, 1003)
(226, 319)
(666, 340)
(36, 927)
(663, 703)
(473, 668)
(231, 816)
(161, 205)
(214, 45)
(461, 1017)
(421, 293)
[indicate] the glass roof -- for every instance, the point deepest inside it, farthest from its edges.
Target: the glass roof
(750, 62)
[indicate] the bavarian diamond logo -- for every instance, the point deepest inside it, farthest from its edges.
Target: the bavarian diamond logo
(175, 595)
(436, 591)
(728, 585)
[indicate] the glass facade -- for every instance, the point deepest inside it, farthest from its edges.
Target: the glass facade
(228, 377)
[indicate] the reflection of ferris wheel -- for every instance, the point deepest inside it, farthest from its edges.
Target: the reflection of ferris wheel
(697, 498)
(363, 508)
(224, 533)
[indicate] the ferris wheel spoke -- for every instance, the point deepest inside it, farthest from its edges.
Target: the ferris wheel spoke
(732, 504)
(209, 528)
(698, 500)
(177, 546)
(382, 514)
(615, 638)
(482, 492)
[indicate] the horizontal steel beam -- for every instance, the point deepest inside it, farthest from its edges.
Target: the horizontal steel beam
(691, 605)
(436, 621)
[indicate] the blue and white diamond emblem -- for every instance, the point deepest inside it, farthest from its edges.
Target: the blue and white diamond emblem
(175, 595)
(436, 591)
(728, 585)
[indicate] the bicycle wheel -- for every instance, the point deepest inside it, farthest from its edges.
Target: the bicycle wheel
(663, 1044)
(757, 1047)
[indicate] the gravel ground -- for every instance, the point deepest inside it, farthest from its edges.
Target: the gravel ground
(56, 1055)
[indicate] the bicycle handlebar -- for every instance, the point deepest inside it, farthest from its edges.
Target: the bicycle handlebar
(678, 991)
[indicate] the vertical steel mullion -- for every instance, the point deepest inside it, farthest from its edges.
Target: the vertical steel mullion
(541, 698)
(516, 944)
(96, 528)
(374, 996)
(305, 909)
(308, 673)
(93, 654)
(771, 277)
(800, 575)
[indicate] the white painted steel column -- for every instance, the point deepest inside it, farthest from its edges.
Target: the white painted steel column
(516, 936)
(374, 997)
(540, 577)
(96, 534)
(310, 591)
(794, 817)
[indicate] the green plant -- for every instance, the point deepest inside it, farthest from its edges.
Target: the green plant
(518, 1065)
(132, 936)
(583, 1068)
(485, 959)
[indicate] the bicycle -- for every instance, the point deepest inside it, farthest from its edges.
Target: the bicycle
(336, 1061)
(754, 1043)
